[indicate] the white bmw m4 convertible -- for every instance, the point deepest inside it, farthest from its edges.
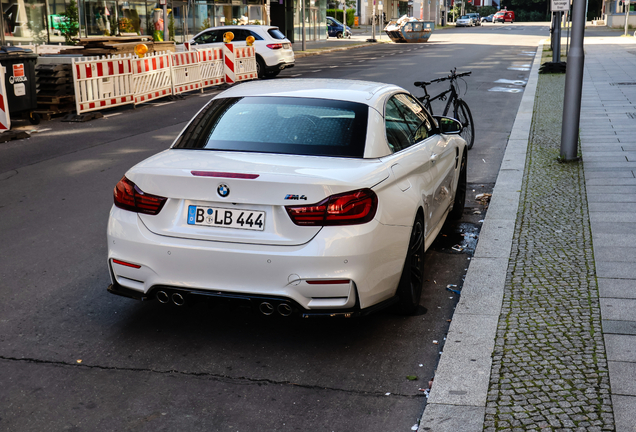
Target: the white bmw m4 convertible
(302, 197)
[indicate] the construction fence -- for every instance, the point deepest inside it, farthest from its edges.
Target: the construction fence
(121, 80)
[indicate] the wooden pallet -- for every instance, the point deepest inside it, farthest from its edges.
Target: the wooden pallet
(47, 114)
(55, 100)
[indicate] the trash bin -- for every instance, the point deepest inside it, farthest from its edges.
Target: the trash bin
(19, 81)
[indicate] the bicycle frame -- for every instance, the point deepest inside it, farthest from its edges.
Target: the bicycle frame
(427, 99)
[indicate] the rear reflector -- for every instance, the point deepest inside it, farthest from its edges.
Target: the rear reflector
(349, 208)
(129, 197)
(124, 263)
(224, 175)
(328, 281)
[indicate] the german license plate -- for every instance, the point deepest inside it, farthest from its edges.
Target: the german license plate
(226, 218)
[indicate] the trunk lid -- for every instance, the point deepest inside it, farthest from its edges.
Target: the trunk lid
(256, 183)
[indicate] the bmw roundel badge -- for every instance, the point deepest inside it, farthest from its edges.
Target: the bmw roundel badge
(223, 190)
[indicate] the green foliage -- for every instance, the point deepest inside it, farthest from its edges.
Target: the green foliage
(456, 11)
(530, 16)
(207, 23)
(70, 23)
(487, 10)
(337, 14)
(351, 13)
(171, 26)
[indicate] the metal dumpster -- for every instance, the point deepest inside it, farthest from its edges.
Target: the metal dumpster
(414, 31)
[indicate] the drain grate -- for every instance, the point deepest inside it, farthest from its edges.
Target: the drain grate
(624, 84)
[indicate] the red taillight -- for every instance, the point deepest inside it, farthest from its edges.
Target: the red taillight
(274, 46)
(127, 264)
(129, 197)
(349, 208)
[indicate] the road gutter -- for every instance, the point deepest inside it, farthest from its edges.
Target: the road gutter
(460, 388)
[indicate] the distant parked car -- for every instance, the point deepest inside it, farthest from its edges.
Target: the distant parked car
(487, 18)
(464, 21)
(273, 50)
(476, 18)
(334, 29)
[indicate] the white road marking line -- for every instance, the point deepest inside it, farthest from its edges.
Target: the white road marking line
(161, 104)
(294, 76)
(113, 114)
(317, 70)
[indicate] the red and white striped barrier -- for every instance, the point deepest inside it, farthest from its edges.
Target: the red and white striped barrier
(152, 77)
(186, 72)
(5, 119)
(239, 63)
(102, 83)
(211, 60)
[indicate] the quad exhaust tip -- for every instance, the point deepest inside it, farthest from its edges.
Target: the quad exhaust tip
(178, 299)
(284, 309)
(266, 308)
(163, 297)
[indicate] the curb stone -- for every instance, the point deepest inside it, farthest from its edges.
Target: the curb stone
(458, 397)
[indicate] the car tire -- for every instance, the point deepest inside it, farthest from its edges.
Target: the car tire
(409, 289)
(260, 67)
(339, 35)
(465, 117)
(272, 74)
(460, 193)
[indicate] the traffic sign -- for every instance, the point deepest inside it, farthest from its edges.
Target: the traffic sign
(560, 5)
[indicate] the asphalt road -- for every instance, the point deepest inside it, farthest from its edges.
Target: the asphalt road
(73, 357)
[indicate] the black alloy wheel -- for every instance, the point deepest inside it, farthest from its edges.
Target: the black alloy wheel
(410, 287)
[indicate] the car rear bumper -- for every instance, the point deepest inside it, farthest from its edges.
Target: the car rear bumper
(369, 257)
(265, 305)
(280, 66)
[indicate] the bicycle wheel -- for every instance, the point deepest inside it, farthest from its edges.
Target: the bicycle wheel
(462, 113)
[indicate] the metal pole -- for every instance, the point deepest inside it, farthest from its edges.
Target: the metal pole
(166, 30)
(304, 41)
(626, 5)
(573, 85)
(567, 23)
(373, 23)
(2, 41)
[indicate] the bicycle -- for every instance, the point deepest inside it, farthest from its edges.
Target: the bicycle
(460, 108)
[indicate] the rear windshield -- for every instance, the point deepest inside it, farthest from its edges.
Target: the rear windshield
(276, 34)
(285, 125)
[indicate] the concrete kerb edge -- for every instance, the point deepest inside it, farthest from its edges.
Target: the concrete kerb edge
(442, 397)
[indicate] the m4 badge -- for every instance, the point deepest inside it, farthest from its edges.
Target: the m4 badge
(295, 197)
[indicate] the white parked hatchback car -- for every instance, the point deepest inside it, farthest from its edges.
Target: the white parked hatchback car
(305, 196)
(273, 50)
(464, 21)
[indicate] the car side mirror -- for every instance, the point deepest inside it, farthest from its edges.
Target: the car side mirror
(448, 125)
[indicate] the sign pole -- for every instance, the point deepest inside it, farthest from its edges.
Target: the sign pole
(573, 86)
